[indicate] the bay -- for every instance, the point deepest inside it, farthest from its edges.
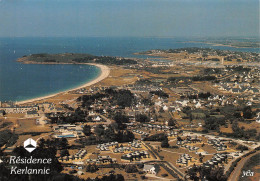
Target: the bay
(26, 81)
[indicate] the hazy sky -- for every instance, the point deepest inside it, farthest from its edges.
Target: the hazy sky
(76, 18)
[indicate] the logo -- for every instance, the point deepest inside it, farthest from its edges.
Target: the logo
(30, 145)
(247, 173)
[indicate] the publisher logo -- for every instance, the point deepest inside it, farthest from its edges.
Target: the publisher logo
(30, 145)
(247, 173)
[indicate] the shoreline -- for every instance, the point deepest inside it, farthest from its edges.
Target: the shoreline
(220, 44)
(105, 71)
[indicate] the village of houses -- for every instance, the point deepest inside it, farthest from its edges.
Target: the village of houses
(175, 109)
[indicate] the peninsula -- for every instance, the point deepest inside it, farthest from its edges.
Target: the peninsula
(44, 58)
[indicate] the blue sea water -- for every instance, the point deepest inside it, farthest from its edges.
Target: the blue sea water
(25, 81)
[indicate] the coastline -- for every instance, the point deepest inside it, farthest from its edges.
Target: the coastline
(105, 71)
(219, 44)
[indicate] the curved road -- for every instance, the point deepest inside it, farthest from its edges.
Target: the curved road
(236, 173)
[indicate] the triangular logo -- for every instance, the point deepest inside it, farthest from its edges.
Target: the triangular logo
(30, 145)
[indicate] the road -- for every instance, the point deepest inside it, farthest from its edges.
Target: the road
(170, 165)
(47, 134)
(108, 121)
(236, 173)
(227, 76)
(241, 142)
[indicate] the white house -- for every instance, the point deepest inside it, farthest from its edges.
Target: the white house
(258, 118)
(165, 108)
(198, 105)
(97, 119)
(91, 113)
(152, 169)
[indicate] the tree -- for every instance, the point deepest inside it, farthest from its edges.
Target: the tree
(131, 169)
(90, 119)
(198, 173)
(237, 115)
(125, 136)
(111, 177)
(7, 137)
(119, 177)
(143, 177)
(120, 118)
(192, 172)
(141, 165)
(165, 143)
(109, 134)
(242, 148)
(213, 123)
(247, 112)
(123, 98)
(63, 144)
(160, 93)
(87, 130)
(64, 152)
(201, 158)
(172, 122)
(179, 139)
(156, 137)
(91, 168)
(216, 174)
(41, 143)
(142, 118)
(99, 130)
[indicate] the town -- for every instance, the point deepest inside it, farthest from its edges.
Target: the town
(192, 115)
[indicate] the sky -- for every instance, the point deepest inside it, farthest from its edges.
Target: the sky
(124, 18)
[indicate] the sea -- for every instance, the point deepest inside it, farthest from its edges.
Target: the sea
(19, 82)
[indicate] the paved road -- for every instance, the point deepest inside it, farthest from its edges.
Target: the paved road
(235, 174)
(163, 161)
(225, 138)
(227, 76)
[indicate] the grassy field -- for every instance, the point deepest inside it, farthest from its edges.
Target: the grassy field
(118, 77)
(28, 125)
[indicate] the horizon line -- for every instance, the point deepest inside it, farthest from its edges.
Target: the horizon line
(94, 36)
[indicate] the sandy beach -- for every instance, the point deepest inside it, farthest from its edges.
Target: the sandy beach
(105, 71)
